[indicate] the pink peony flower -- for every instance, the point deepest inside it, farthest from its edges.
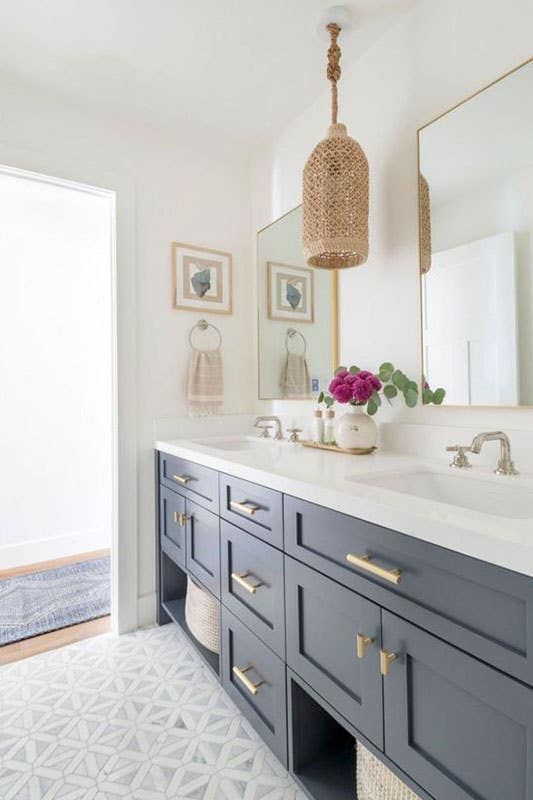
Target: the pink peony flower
(342, 393)
(356, 389)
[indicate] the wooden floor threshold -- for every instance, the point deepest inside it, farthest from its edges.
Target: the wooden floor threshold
(51, 641)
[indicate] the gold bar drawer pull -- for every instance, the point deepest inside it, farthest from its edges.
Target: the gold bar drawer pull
(245, 507)
(183, 479)
(240, 674)
(366, 564)
(241, 579)
(180, 519)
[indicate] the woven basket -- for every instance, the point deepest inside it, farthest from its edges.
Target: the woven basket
(202, 615)
(376, 782)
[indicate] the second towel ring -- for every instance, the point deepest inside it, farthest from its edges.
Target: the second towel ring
(291, 333)
(204, 325)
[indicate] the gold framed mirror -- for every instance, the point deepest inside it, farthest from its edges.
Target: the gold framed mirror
(297, 315)
(476, 245)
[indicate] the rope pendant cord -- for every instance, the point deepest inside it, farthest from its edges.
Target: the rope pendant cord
(334, 69)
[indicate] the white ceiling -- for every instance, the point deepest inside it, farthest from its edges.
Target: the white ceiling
(237, 69)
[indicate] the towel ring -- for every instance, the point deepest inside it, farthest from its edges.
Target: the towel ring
(291, 333)
(204, 325)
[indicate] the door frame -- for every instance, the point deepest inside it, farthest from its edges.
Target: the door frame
(55, 169)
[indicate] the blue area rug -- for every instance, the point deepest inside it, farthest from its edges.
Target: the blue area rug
(56, 598)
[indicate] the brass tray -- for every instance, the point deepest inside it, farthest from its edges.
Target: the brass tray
(356, 451)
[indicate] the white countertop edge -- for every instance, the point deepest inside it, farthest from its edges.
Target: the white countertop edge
(504, 542)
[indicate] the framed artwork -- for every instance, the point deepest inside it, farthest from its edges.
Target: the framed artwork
(201, 279)
(290, 292)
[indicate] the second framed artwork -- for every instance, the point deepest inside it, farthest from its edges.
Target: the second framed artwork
(201, 279)
(290, 293)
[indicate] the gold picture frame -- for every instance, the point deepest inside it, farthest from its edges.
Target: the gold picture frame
(201, 279)
(301, 279)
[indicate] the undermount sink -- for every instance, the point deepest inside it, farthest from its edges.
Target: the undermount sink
(237, 443)
(488, 497)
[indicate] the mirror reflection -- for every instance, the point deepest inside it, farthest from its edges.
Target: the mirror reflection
(476, 224)
(297, 315)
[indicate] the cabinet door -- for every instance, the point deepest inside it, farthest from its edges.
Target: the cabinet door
(203, 547)
(172, 525)
(323, 624)
(459, 728)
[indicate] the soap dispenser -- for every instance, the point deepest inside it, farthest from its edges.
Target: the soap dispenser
(317, 430)
(329, 427)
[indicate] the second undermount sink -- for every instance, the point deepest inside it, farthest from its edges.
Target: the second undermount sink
(236, 443)
(486, 496)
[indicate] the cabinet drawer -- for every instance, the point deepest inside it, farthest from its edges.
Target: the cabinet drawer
(254, 677)
(481, 608)
(191, 480)
(172, 525)
(459, 728)
(256, 509)
(252, 584)
(324, 622)
(203, 547)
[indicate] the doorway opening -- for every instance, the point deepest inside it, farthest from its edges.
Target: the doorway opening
(58, 451)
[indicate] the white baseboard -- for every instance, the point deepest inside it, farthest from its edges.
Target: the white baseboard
(32, 552)
(146, 610)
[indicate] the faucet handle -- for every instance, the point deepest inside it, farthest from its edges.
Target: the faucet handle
(294, 434)
(460, 460)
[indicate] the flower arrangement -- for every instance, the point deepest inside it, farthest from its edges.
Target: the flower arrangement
(359, 387)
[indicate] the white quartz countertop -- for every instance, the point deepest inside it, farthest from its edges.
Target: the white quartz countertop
(331, 480)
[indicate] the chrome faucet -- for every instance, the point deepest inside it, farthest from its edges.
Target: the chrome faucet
(278, 436)
(505, 463)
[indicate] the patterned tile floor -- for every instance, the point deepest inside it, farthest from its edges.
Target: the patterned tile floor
(136, 717)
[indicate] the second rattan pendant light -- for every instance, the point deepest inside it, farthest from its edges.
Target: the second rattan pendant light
(335, 189)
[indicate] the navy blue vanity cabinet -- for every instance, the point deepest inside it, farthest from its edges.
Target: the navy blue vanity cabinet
(253, 585)
(254, 508)
(193, 481)
(254, 678)
(333, 642)
(203, 546)
(172, 524)
(335, 630)
(460, 729)
(481, 608)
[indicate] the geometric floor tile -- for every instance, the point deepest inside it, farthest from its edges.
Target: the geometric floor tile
(133, 717)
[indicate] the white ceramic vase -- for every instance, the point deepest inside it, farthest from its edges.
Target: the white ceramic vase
(355, 429)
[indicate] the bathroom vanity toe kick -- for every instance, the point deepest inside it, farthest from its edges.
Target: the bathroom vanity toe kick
(422, 654)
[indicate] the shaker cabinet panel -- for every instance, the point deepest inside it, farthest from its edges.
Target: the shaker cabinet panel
(333, 641)
(459, 728)
(194, 481)
(481, 608)
(254, 678)
(172, 525)
(252, 584)
(252, 507)
(203, 547)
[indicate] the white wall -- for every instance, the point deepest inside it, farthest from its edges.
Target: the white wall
(198, 196)
(56, 402)
(436, 56)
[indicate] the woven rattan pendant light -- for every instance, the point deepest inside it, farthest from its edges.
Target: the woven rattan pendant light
(424, 212)
(335, 189)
